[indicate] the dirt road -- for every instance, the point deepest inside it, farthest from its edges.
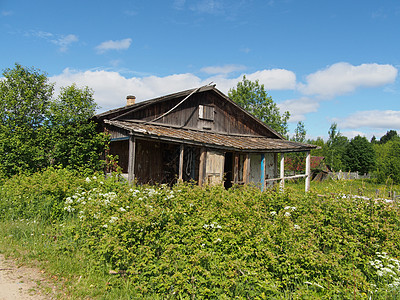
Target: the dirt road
(21, 283)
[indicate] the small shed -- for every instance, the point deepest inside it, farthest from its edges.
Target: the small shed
(196, 135)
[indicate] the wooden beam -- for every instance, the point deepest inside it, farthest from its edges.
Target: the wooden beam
(246, 169)
(236, 168)
(308, 171)
(182, 149)
(282, 171)
(131, 159)
(202, 165)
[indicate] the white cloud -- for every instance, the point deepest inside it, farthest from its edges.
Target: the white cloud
(223, 69)
(111, 88)
(371, 119)
(275, 79)
(65, 41)
(342, 78)
(298, 108)
(114, 45)
(353, 133)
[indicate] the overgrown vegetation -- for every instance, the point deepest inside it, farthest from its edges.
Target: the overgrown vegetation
(191, 242)
(38, 130)
(378, 158)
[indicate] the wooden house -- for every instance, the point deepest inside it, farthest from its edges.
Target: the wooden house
(198, 135)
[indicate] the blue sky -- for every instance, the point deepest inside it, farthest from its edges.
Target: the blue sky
(323, 61)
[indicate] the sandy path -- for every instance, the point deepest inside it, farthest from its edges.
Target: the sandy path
(22, 283)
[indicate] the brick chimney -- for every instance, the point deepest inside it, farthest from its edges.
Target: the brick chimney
(130, 100)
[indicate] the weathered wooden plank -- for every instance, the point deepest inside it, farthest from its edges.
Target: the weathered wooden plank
(181, 152)
(236, 167)
(131, 160)
(202, 165)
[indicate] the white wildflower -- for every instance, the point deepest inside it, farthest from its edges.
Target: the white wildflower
(122, 209)
(88, 179)
(113, 219)
(287, 214)
(296, 226)
(105, 226)
(218, 240)
(273, 213)
(292, 208)
(69, 200)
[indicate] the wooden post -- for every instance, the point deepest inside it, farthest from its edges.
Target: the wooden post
(202, 165)
(182, 149)
(236, 168)
(131, 159)
(246, 169)
(262, 172)
(282, 171)
(308, 171)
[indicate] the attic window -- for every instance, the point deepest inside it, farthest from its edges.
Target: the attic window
(206, 112)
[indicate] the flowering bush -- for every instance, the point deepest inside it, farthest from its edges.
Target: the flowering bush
(187, 241)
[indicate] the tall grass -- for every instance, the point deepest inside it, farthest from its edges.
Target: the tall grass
(191, 242)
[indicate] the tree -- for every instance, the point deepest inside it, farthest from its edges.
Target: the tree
(320, 143)
(75, 143)
(252, 97)
(388, 161)
(359, 155)
(37, 131)
(390, 135)
(297, 160)
(335, 149)
(300, 133)
(25, 95)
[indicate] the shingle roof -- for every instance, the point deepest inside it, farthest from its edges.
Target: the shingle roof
(211, 139)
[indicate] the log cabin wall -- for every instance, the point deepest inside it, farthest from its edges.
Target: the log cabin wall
(119, 148)
(226, 117)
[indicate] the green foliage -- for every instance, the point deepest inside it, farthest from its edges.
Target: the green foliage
(252, 97)
(37, 131)
(390, 135)
(191, 242)
(320, 143)
(334, 151)
(24, 99)
(300, 133)
(38, 196)
(75, 144)
(359, 155)
(387, 161)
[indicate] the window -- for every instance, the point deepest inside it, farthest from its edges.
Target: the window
(206, 112)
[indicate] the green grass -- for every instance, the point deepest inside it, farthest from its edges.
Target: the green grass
(193, 243)
(361, 187)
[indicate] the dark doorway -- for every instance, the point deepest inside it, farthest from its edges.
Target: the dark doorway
(228, 167)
